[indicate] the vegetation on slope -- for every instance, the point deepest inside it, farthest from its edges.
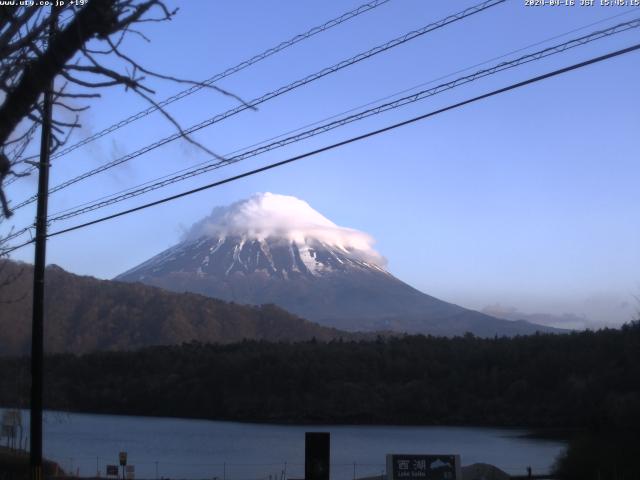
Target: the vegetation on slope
(588, 379)
(84, 314)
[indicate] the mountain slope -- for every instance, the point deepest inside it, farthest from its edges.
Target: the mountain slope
(277, 249)
(84, 314)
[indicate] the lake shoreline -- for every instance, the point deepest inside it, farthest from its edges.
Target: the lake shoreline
(192, 448)
(535, 432)
(562, 434)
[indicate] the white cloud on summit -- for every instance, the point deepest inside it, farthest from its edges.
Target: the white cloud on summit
(269, 215)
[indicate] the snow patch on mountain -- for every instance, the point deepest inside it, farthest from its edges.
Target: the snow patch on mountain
(273, 216)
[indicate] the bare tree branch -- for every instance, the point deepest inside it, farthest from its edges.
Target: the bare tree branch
(85, 40)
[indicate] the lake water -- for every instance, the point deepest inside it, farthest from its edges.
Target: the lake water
(197, 449)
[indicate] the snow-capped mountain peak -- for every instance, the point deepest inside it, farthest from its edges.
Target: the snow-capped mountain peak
(245, 255)
(268, 217)
(277, 249)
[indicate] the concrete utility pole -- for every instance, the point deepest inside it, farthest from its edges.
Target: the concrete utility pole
(37, 332)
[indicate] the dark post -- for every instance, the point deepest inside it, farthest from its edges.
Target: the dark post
(316, 455)
(37, 332)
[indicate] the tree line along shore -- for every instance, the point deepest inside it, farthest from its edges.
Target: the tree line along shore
(586, 379)
(585, 385)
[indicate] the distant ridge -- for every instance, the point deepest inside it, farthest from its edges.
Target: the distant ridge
(84, 314)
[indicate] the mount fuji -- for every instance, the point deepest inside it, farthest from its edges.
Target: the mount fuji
(277, 249)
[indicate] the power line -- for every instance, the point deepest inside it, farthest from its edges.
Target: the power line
(219, 76)
(531, 45)
(276, 93)
(271, 166)
(13, 235)
(167, 180)
(22, 231)
(353, 109)
(207, 166)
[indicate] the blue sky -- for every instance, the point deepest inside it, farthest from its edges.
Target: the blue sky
(528, 199)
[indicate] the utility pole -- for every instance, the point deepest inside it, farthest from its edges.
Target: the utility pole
(37, 332)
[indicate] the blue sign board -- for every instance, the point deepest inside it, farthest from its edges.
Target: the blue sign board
(423, 467)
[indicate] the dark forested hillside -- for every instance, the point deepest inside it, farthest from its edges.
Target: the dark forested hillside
(84, 314)
(588, 379)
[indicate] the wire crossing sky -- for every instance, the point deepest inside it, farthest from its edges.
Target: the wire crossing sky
(276, 93)
(219, 76)
(340, 144)
(524, 202)
(351, 118)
